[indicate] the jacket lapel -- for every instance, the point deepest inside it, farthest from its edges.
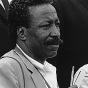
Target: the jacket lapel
(36, 76)
(38, 79)
(2, 12)
(84, 3)
(6, 4)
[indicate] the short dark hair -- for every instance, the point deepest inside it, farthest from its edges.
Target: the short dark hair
(19, 15)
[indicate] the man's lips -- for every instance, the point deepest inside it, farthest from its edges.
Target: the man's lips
(53, 47)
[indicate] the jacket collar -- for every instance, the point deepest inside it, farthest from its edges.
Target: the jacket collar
(84, 3)
(2, 12)
(36, 76)
(24, 59)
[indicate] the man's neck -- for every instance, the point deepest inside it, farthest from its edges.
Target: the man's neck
(29, 52)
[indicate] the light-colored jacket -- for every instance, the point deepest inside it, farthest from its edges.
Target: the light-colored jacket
(17, 72)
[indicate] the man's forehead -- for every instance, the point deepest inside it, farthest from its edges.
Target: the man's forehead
(46, 7)
(46, 10)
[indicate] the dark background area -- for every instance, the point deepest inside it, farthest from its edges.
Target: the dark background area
(6, 43)
(73, 15)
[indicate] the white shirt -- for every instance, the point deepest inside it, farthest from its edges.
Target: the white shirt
(2, 3)
(47, 70)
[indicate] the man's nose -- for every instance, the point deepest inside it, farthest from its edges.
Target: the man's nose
(55, 31)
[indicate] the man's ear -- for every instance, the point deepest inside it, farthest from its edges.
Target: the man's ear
(21, 33)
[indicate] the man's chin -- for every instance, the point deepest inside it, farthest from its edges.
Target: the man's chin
(51, 50)
(52, 54)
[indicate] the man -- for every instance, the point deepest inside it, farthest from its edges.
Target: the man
(3, 29)
(73, 16)
(34, 27)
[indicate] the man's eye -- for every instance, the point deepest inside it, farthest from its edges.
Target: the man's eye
(57, 24)
(45, 26)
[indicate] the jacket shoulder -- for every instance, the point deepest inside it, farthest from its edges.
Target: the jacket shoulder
(11, 70)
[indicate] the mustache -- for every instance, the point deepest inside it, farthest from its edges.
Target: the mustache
(53, 41)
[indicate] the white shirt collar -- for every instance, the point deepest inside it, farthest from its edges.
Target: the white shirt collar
(2, 3)
(47, 70)
(34, 62)
(9, 1)
(46, 67)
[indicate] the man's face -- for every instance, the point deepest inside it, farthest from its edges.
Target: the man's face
(44, 32)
